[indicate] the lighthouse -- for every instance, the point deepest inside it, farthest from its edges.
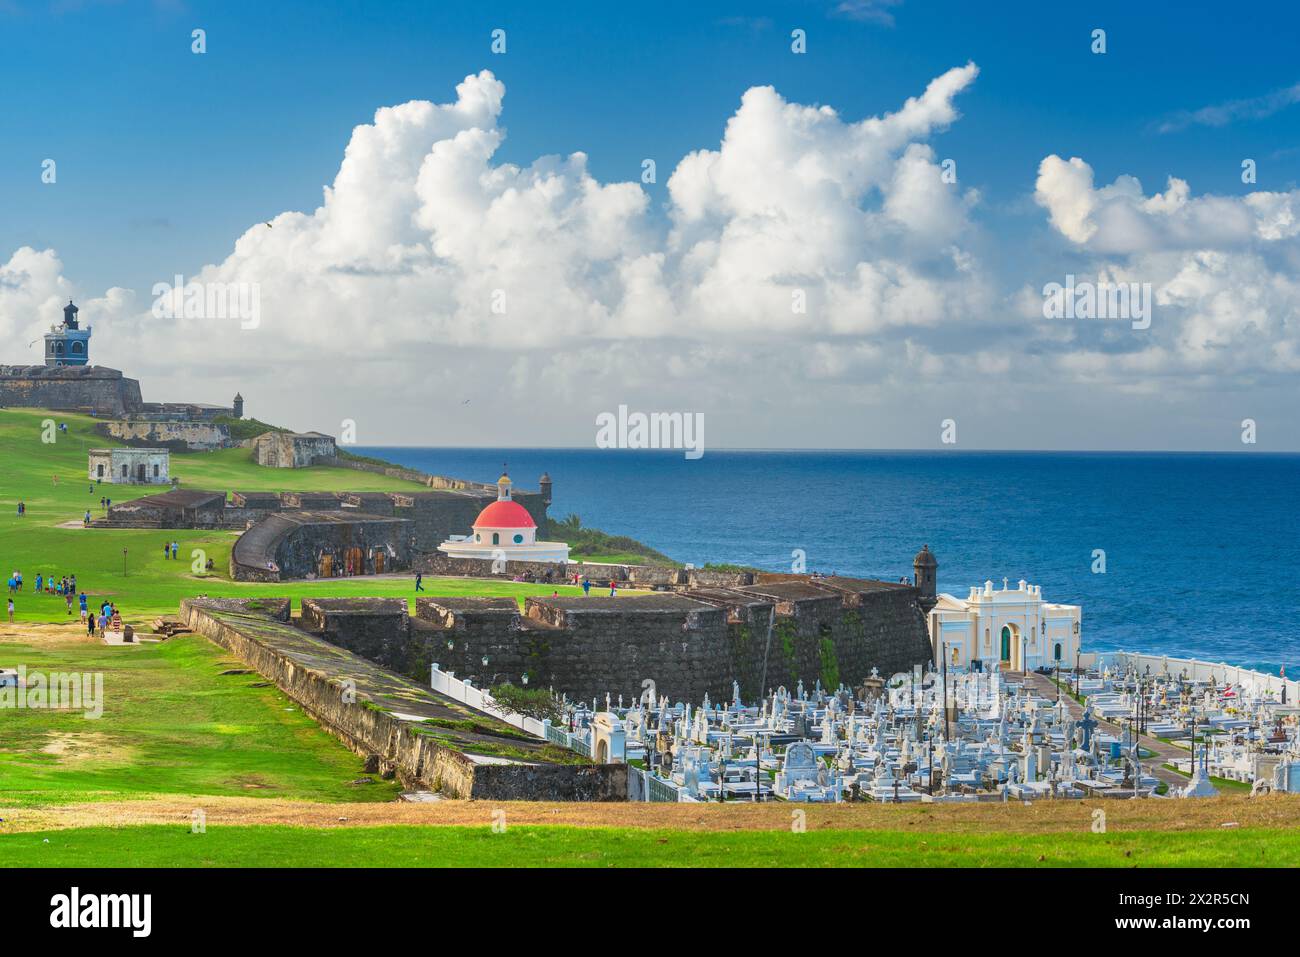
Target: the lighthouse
(67, 344)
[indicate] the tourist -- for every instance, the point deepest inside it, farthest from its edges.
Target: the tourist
(90, 624)
(11, 611)
(38, 581)
(176, 547)
(613, 588)
(86, 521)
(166, 549)
(72, 583)
(586, 586)
(67, 600)
(82, 602)
(419, 582)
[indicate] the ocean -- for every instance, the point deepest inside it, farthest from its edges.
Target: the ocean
(1202, 556)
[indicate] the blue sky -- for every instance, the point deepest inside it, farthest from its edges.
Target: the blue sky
(165, 158)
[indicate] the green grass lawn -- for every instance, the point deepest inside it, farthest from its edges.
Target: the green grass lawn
(541, 846)
(1226, 785)
(141, 582)
(172, 723)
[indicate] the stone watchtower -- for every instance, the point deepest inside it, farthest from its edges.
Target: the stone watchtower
(925, 577)
(67, 344)
(237, 407)
(544, 486)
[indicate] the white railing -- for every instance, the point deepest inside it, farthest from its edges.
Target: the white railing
(644, 786)
(448, 684)
(1197, 670)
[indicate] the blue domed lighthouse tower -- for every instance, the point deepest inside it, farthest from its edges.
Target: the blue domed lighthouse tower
(67, 344)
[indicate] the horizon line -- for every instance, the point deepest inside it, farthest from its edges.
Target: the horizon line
(966, 451)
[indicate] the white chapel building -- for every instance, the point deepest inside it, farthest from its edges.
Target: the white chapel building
(1008, 628)
(504, 531)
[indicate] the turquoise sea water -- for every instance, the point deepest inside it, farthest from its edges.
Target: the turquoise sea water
(1202, 552)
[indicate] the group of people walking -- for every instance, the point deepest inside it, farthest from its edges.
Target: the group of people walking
(65, 587)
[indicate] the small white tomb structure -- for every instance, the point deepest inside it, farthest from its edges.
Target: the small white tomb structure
(130, 466)
(608, 739)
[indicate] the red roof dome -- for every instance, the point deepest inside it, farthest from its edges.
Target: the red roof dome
(504, 514)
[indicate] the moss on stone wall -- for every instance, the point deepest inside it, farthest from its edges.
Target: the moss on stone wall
(830, 673)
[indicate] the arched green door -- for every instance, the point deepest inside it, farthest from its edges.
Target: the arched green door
(1006, 643)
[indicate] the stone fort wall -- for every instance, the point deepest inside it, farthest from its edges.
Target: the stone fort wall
(175, 435)
(688, 643)
(96, 389)
(350, 699)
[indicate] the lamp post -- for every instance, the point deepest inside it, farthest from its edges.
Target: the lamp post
(124, 563)
(930, 744)
(946, 735)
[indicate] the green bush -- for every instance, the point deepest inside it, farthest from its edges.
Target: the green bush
(529, 702)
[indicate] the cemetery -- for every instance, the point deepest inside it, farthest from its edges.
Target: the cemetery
(1116, 731)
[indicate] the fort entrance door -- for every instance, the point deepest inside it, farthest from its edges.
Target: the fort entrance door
(356, 561)
(379, 562)
(325, 568)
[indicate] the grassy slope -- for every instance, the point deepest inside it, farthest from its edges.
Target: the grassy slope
(433, 846)
(593, 545)
(152, 585)
(171, 723)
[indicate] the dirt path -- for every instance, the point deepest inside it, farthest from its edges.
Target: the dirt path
(1165, 753)
(1041, 816)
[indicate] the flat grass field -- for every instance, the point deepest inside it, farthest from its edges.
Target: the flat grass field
(543, 846)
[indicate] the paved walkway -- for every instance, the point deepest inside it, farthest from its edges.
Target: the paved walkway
(1165, 753)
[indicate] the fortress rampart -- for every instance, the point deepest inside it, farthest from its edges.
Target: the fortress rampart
(422, 745)
(94, 389)
(688, 643)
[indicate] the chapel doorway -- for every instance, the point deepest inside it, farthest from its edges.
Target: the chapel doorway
(1006, 643)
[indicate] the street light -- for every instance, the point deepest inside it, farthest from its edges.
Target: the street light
(946, 734)
(124, 563)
